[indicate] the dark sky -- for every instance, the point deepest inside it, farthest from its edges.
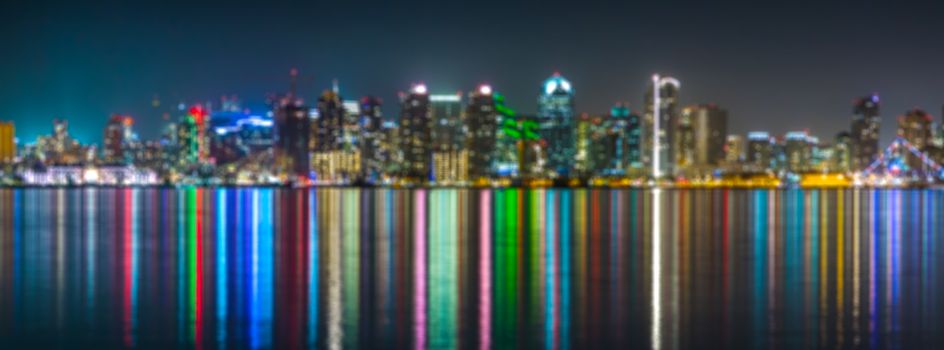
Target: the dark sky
(777, 67)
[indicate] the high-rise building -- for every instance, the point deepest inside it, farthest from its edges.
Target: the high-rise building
(865, 131)
(760, 151)
(583, 164)
(482, 119)
(371, 139)
(798, 149)
(734, 149)
(415, 134)
(701, 142)
(448, 133)
(118, 140)
(617, 129)
(635, 159)
(556, 120)
(842, 152)
(331, 159)
(192, 144)
(511, 132)
(915, 127)
(292, 136)
(7, 142)
(661, 121)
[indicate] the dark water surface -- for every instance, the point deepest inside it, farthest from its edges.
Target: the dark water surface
(471, 269)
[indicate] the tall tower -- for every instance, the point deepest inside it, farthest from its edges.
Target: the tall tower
(661, 121)
(865, 131)
(7, 142)
(415, 133)
(709, 128)
(372, 137)
(915, 127)
(557, 124)
(483, 130)
(448, 138)
(328, 138)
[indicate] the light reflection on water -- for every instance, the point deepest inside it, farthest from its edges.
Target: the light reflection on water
(554, 269)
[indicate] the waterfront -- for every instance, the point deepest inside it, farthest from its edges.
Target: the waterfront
(464, 268)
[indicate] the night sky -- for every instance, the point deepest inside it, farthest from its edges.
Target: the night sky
(780, 67)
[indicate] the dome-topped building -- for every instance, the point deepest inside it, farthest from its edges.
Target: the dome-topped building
(557, 85)
(556, 115)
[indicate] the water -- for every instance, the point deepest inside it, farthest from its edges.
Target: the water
(473, 269)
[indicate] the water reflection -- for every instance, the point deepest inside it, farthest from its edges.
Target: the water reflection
(545, 268)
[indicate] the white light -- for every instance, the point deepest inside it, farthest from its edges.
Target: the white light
(419, 89)
(550, 86)
(445, 98)
(485, 90)
(565, 85)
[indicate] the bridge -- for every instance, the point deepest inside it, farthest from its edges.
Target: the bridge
(893, 163)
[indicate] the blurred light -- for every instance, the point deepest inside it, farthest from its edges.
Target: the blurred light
(419, 89)
(485, 90)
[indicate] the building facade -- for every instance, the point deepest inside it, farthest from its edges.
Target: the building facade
(556, 120)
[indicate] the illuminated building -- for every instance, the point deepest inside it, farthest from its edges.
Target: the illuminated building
(333, 161)
(292, 133)
(60, 148)
(605, 154)
(415, 134)
(371, 139)
(192, 143)
(482, 119)
(390, 149)
(734, 149)
(661, 119)
(532, 149)
(509, 135)
(556, 118)
(7, 143)
(842, 152)
(702, 141)
(865, 131)
(760, 151)
(798, 149)
(615, 137)
(915, 127)
(583, 138)
(683, 147)
(450, 160)
(635, 159)
(118, 140)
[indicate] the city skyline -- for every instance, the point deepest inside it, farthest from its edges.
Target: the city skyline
(779, 78)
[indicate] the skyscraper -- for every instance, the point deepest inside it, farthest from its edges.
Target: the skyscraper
(842, 152)
(328, 138)
(415, 134)
(292, 130)
(448, 134)
(760, 151)
(915, 127)
(7, 142)
(661, 121)
(705, 147)
(371, 139)
(635, 159)
(118, 136)
(798, 150)
(557, 125)
(865, 131)
(191, 144)
(482, 139)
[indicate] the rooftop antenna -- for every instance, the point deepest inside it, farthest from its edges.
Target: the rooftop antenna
(334, 86)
